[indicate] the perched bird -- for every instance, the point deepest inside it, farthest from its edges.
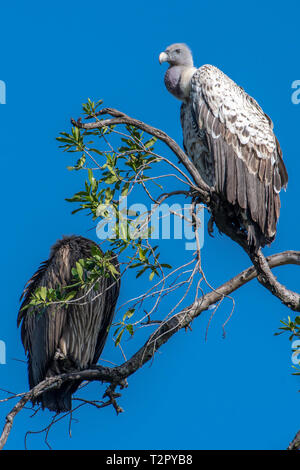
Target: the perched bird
(231, 142)
(61, 338)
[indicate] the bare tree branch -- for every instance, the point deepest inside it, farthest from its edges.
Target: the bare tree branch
(200, 192)
(295, 444)
(266, 278)
(121, 118)
(116, 376)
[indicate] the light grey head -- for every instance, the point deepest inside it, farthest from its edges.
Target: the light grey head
(177, 54)
(181, 69)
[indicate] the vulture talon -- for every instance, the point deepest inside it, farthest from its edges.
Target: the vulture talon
(59, 356)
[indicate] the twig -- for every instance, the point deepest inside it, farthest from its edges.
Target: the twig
(117, 375)
(121, 118)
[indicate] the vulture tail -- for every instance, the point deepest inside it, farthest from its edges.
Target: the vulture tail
(59, 400)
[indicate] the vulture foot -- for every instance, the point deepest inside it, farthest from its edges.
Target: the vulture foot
(59, 356)
(194, 193)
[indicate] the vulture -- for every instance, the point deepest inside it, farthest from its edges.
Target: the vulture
(62, 338)
(231, 142)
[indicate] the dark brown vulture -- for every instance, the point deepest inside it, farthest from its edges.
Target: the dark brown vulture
(62, 338)
(231, 142)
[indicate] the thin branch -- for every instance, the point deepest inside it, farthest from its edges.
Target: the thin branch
(121, 118)
(265, 276)
(295, 444)
(118, 375)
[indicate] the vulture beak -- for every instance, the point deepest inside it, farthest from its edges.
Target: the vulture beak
(163, 57)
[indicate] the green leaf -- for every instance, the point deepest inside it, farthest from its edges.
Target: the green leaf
(108, 195)
(125, 189)
(150, 142)
(142, 254)
(129, 328)
(116, 330)
(141, 271)
(111, 179)
(165, 265)
(118, 338)
(113, 270)
(128, 314)
(43, 293)
(70, 296)
(79, 270)
(91, 176)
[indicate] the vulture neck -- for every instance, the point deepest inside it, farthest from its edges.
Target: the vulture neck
(178, 80)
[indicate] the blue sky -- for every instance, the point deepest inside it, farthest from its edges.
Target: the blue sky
(232, 393)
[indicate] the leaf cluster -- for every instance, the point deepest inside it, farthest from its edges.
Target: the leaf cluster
(86, 274)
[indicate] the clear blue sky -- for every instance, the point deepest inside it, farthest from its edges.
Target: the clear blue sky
(232, 393)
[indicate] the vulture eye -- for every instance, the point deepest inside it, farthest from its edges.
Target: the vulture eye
(178, 51)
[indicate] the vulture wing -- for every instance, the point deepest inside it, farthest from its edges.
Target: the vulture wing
(232, 143)
(61, 338)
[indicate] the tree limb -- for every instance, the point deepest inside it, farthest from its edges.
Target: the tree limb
(121, 118)
(118, 375)
(265, 276)
(295, 444)
(289, 298)
(261, 265)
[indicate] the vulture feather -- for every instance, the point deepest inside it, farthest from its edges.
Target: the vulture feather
(231, 142)
(61, 338)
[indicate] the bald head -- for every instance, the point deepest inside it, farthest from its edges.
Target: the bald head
(177, 54)
(178, 75)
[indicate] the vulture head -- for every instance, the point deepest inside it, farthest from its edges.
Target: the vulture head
(177, 54)
(179, 74)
